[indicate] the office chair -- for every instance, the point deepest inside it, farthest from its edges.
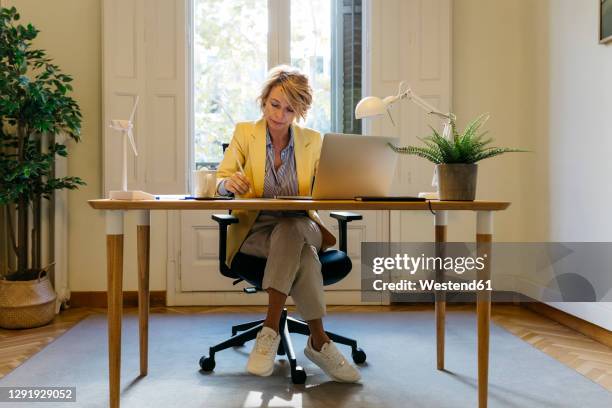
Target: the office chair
(335, 266)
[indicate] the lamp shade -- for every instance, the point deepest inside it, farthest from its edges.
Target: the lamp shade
(370, 106)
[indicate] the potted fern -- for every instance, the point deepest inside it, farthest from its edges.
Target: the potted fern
(34, 105)
(455, 157)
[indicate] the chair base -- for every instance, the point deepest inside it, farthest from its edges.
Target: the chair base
(287, 325)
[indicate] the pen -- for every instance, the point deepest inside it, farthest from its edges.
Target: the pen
(240, 165)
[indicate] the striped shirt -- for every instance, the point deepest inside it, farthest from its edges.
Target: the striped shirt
(284, 180)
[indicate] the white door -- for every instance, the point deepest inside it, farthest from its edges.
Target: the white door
(144, 47)
(410, 40)
(199, 255)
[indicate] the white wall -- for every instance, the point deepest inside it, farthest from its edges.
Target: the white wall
(580, 141)
(580, 116)
(491, 73)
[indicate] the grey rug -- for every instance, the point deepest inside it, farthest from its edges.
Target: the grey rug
(400, 369)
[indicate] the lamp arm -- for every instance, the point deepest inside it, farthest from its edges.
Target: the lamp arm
(417, 100)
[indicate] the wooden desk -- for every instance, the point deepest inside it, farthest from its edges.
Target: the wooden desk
(114, 250)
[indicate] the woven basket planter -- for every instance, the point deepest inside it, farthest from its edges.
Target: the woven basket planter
(26, 304)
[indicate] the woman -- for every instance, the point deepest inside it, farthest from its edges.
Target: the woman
(280, 158)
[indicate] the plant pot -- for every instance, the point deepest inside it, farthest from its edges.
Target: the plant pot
(457, 182)
(26, 304)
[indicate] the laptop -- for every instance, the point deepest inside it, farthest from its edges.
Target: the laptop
(353, 166)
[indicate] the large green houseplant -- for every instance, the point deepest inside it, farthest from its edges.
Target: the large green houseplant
(455, 157)
(34, 105)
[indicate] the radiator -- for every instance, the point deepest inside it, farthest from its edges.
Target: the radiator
(60, 232)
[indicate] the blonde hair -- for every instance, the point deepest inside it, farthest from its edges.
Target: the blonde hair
(294, 85)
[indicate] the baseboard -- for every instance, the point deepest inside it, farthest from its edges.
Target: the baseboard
(591, 330)
(130, 299)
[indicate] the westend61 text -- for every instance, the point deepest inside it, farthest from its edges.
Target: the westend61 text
(429, 285)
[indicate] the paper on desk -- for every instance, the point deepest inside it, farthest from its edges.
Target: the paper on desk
(170, 197)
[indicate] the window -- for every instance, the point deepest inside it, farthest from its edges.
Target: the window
(235, 42)
(311, 52)
(229, 64)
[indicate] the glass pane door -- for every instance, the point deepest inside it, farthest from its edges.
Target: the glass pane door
(230, 63)
(311, 52)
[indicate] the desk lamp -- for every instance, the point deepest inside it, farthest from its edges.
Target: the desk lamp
(371, 106)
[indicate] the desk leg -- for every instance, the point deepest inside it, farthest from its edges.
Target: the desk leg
(484, 238)
(440, 225)
(114, 265)
(143, 232)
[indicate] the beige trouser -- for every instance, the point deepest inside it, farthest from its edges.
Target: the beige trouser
(291, 246)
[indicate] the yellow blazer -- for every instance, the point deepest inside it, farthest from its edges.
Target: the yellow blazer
(249, 143)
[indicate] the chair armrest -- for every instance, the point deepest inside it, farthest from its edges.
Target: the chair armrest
(224, 220)
(344, 217)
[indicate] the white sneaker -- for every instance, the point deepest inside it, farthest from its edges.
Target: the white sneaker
(332, 362)
(261, 359)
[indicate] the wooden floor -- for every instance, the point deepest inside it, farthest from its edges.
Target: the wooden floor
(586, 356)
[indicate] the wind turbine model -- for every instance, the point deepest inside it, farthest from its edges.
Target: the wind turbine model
(126, 127)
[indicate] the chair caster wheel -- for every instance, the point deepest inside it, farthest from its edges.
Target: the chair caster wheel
(298, 376)
(359, 356)
(207, 363)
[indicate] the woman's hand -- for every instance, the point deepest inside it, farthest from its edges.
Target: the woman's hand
(237, 183)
